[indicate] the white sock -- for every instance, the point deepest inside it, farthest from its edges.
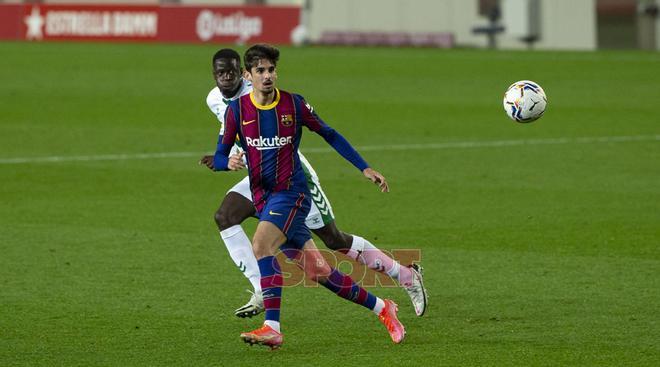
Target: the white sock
(380, 304)
(394, 271)
(366, 253)
(240, 249)
(275, 325)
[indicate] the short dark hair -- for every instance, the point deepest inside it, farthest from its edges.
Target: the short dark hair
(258, 52)
(226, 53)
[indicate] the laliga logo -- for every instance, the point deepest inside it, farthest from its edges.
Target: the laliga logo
(262, 143)
(210, 24)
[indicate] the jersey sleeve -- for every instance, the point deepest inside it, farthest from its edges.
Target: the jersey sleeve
(217, 106)
(225, 141)
(336, 140)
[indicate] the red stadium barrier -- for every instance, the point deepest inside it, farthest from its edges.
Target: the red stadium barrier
(237, 24)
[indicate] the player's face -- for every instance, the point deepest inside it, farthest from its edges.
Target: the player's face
(263, 76)
(227, 75)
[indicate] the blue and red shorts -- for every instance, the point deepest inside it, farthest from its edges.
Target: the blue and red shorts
(288, 210)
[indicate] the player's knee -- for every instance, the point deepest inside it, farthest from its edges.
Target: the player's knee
(225, 220)
(261, 250)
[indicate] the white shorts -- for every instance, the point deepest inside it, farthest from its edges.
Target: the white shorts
(320, 213)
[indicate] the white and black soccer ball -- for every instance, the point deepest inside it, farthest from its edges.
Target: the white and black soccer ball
(525, 101)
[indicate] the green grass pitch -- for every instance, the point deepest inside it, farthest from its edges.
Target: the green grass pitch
(540, 242)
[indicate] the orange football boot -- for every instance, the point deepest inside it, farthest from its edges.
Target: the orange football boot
(265, 335)
(388, 317)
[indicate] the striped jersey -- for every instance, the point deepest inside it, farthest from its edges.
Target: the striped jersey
(270, 135)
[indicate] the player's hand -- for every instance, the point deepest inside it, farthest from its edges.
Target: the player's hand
(377, 178)
(207, 161)
(236, 162)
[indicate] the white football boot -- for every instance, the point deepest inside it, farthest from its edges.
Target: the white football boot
(416, 290)
(254, 306)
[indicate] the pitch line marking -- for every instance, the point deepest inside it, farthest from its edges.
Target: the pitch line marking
(366, 148)
(101, 157)
(496, 143)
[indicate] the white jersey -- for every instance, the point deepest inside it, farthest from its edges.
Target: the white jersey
(218, 103)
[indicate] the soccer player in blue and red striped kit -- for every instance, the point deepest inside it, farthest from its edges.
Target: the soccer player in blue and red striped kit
(268, 123)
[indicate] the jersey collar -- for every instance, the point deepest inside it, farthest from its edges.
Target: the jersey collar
(268, 106)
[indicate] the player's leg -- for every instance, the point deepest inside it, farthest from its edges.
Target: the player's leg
(236, 207)
(282, 216)
(364, 252)
(317, 268)
(321, 221)
(267, 238)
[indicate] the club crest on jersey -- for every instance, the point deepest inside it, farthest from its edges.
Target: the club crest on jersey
(286, 120)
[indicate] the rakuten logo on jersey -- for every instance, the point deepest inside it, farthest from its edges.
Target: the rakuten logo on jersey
(262, 143)
(211, 24)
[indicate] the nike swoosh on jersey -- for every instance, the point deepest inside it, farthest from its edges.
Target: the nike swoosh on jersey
(248, 122)
(273, 213)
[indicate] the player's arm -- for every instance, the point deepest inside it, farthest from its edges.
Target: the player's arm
(234, 163)
(343, 147)
(221, 160)
(224, 161)
(215, 105)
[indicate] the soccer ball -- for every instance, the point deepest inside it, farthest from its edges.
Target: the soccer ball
(525, 101)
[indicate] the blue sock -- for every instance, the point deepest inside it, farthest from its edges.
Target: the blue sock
(271, 286)
(342, 285)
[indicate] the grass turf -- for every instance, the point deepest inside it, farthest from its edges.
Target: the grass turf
(535, 254)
